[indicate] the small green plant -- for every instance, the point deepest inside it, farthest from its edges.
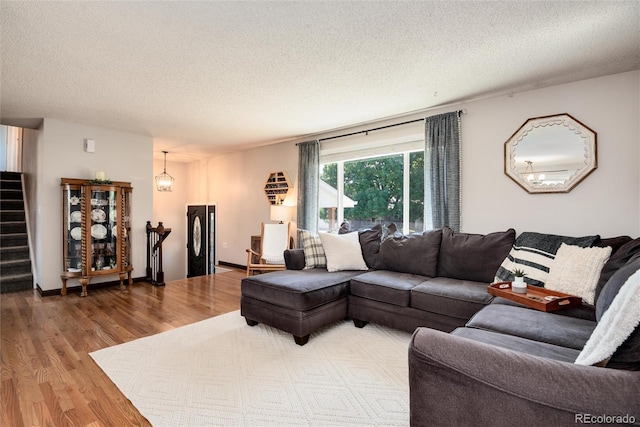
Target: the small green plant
(519, 273)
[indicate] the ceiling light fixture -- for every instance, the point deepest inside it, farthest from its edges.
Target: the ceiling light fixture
(531, 177)
(164, 181)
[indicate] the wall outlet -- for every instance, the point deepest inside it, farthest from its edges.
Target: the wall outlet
(224, 245)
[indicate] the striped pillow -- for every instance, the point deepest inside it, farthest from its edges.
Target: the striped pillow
(314, 256)
(534, 253)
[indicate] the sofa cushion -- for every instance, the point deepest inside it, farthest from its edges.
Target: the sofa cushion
(522, 345)
(614, 243)
(386, 286)
(343, 251)
(618, 258)
(627, 356)
(534, 253)
(474, 257)
(412, 254)
(314, 256)
(575, 271)
(298, 289)
(534, 325)
(370, 241)
(450, 297)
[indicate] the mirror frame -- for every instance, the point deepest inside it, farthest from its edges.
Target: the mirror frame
(571, 123)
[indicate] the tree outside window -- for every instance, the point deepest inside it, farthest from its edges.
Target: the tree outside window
(385, 189)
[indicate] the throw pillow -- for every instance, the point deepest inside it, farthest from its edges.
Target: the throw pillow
(473, 257)
(314, 256)
(616, 339)
(412, 254)
(576, 271)
(369, 242)
(343, 251)
(534, 253)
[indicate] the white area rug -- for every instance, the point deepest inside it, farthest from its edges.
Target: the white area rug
(222, 372)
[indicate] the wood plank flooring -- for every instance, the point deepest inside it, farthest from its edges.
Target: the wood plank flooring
(47, 377)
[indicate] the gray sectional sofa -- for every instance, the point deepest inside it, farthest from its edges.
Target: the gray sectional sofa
(408, 284)
(474, 359)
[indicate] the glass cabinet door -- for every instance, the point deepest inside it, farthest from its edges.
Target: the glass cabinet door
(72, 231)
(103, 231)
(126, 229)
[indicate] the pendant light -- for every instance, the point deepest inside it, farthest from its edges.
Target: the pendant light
(164, 181)
(531, 177)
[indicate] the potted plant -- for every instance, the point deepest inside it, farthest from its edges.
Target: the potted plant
(518, 285)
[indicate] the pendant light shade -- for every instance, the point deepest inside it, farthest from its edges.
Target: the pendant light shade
(164, 181)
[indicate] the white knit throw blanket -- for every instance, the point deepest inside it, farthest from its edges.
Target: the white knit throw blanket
(615, 326)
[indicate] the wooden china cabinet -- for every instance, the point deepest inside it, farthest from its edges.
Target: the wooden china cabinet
(96, 225)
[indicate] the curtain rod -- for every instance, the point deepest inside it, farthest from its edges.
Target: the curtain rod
(460, 112)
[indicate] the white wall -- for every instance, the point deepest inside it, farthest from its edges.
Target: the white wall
(171, 208)
(606, 203)
(123, 156)
(234, 183)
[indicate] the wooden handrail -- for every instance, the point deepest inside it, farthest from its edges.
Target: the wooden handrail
(155, 237)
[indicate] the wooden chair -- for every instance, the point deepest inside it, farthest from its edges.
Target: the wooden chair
(274, 240)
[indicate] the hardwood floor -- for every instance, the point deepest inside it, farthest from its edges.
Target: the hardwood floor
(47, 376)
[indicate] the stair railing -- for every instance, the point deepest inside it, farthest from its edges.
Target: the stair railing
(155, 237)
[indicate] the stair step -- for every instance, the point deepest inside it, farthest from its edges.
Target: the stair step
(11, 205)
(10, 184)
(10, 174)
(18, 282)
(7, 215)
(12, 253)
(15, 267)
(17, 239)
(12, 227)
(10, 193)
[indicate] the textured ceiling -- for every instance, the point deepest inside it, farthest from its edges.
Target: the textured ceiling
(207, 77)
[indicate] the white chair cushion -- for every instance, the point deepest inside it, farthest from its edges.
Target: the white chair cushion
(275, 242)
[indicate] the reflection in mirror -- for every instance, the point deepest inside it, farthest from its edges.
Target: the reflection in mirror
(550, 154)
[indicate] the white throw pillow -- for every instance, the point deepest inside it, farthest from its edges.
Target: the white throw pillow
(343, 251)
(576, 270)
(616, 325)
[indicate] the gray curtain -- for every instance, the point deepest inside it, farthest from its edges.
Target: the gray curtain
(308, 182)
(442, 171)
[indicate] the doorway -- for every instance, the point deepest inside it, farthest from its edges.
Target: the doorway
(201, 240)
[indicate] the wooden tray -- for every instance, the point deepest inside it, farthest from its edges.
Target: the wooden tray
(536, 297)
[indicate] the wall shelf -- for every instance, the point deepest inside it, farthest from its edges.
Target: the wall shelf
(277, 187)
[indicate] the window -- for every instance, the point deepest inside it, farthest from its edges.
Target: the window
(368, 191)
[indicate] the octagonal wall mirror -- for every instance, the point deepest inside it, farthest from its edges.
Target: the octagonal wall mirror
(550, 154)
